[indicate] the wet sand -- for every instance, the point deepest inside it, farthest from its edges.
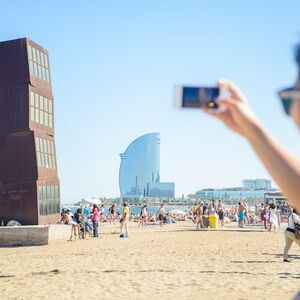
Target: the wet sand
(175, 262)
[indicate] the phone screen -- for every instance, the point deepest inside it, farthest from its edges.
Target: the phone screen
(200, 97)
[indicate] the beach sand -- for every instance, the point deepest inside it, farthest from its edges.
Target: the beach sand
(175, 262)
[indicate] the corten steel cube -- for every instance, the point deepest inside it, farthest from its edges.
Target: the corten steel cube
(29, 184)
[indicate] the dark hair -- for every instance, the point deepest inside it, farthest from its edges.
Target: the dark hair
(272, 205)
(295, 211)
(239, 203)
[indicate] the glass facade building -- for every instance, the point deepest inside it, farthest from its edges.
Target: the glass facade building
(257, 184)
(140, 169)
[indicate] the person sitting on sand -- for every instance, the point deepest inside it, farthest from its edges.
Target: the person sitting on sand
(289, 234)
(125, 218)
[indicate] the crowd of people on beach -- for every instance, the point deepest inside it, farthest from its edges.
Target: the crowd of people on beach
(268, 215)
(86, 220)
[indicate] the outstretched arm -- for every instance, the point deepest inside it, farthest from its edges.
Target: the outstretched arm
(282, 165)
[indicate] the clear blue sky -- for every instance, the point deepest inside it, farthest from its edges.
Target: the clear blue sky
(114, 65)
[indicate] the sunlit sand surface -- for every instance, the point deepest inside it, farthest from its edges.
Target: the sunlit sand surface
(175, 262)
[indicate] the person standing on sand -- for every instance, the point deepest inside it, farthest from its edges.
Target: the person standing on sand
(221, 211)
(95, 219)
(102, 213)
(125, 218)
(264, 215)
(199, 216)
(161, 214)
(68, 219)
(289, 234)
(278, 212)
(241, 215)
(247, 215)
(141, 220)
(112, 214)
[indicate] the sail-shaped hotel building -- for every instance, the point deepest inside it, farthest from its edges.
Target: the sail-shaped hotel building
(139, 174)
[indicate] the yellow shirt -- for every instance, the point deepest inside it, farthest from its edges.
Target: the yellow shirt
(126, 212)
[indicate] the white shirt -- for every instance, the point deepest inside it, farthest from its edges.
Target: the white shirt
(293, 218)
(144, 212)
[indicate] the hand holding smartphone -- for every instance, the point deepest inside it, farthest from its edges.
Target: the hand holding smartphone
(197, 97)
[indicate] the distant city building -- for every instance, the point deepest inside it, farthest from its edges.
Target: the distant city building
(251, 189)
(161, 189)
(29, 184)
(275, 197)
(139, 174)
(257, 184)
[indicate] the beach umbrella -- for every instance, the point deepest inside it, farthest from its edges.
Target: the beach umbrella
(177, 212)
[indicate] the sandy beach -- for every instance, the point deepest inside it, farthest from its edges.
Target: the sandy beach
(175, 262)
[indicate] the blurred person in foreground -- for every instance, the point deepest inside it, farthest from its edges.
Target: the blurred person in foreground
(237, 115)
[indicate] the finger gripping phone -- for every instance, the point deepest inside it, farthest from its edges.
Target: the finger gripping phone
(196, 97)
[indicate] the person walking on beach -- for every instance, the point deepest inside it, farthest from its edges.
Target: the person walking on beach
(125, 219)
(273, 219)
(95, 220)
(241, 215)
(289, 234)
(145, 215)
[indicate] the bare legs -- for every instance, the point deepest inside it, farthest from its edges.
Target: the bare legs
(125, 224)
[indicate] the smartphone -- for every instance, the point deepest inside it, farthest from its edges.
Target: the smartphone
(196, 97)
